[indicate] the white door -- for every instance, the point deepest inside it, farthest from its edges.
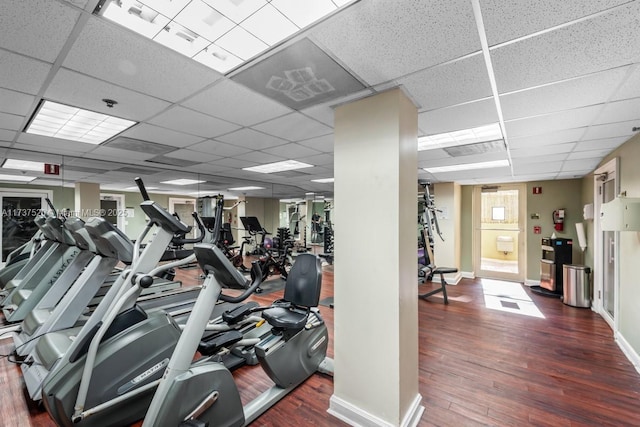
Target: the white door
(499, 247)
(606, 248)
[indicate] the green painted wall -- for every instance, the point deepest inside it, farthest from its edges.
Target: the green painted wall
(629, 291)
(561, 194)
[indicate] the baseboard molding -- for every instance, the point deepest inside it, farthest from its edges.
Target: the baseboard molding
(529, 282)
(628, 351)
(467, 275)
(355, 416)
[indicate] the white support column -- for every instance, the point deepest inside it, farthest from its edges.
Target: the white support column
(376, 314)
(87, 199)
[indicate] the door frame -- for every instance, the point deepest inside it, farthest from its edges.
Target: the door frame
(522, 236)
(610, 169)
(173, 201)
(121, 212)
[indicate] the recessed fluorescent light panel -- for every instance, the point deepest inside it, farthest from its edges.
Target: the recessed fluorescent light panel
(468, 166)
(182, 182)
(467, 136)
(286, 165)
(323, 180)
(76, 124)
(248, 188)
(17, 178)
(220, 34)
(24, 165)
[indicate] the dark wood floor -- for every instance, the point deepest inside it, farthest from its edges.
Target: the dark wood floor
(478, 366)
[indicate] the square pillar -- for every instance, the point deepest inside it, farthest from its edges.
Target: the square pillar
(375, 273)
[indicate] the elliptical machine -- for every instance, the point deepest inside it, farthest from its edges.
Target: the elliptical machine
(203, 393)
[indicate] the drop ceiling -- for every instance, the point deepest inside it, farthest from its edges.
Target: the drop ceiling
(566, 76)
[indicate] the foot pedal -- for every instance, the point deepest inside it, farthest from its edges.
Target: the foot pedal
(234, 316)
(217, 342)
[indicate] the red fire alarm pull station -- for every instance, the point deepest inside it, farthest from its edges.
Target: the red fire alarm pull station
(537, 190)
(537, 229)
(51, 169)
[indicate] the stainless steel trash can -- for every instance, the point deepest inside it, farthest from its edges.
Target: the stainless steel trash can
(577, 286)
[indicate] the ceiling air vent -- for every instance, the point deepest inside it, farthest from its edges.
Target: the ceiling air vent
(475, 149)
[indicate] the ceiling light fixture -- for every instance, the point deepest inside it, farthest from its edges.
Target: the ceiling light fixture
(468, 166)
(76, 124)
(286, 165)
(467, 136)
(24, 165)
(16, 178)
(323, 180)
(220, 34)
(247, 188)
(182, 181)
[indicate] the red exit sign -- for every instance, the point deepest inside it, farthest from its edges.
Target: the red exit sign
(51, 169)
(537, 190)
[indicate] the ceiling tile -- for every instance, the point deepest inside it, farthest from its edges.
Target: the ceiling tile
(453, 83)
(235, 103)
(15, 102)
(121, 154)
(291, 151)
(304, 12)
(294, 127)
(321, 143)
(218, 148)
(588, 90)
(601, 144)
(547, 158)
(505, 21)
(620, 111)
(542, 151)
(241, 43)
(192, 122)
(269, 25)
(377, 32)
(559, 137)
(541, 167)
(607, 41)
(622, 129)
(21, 73)
(195, 156)
(55, 143)
(458, 117)
(39, 35)
(581, 164)
(71, 88)
(7, 135)
(250, 138)
(631, 87)
(587, 154)
(10, 121)
(161, 135)
(260, 157)
(548, 123)
(114, 54)
(237, 164)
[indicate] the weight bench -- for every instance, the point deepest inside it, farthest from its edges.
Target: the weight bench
(431, 270)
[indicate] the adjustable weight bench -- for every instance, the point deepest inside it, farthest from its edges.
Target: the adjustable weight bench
(431, 270)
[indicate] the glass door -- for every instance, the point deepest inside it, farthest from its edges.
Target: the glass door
(606, 245)
(18, 212)
(499, 245)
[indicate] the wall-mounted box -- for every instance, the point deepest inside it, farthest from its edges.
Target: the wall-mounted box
(620, 214)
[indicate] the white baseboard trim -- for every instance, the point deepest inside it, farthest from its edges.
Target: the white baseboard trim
(628, 351)
(529, 282)
(467, 275)
(355, 416)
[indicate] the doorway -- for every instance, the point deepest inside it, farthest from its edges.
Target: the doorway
(184, 208)
(606, 246)
(499, 239)
(112, 209)
(19, 208)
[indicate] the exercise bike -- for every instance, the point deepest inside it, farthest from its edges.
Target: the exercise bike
(203, 393)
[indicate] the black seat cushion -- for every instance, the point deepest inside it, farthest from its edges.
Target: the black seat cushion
(445, 270)
(285, 318)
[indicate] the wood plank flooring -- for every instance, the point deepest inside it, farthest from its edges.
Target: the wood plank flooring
(478, 366)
